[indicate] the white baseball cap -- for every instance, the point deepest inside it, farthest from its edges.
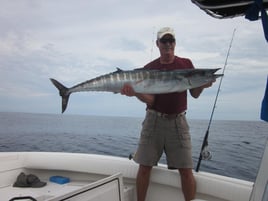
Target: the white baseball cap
(165, 30)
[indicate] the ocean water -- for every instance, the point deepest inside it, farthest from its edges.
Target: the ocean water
(236, 146)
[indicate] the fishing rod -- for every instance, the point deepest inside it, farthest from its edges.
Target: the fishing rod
(205, 153)
(153, 42)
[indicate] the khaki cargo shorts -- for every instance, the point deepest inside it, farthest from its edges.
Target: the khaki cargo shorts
(160, 134)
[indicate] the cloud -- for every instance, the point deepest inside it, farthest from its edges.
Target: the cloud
(127, 44)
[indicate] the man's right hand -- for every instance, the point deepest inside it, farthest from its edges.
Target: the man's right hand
(128, 90)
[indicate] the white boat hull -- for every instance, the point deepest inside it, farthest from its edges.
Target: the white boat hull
(87, 169)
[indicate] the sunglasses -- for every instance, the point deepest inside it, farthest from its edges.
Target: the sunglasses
(167, 40)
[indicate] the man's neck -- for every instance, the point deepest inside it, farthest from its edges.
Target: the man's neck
(167, 59)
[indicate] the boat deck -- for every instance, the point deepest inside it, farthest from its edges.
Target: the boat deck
(49, 191)
(73, 189)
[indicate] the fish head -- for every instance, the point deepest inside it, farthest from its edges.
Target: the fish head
(199, 77)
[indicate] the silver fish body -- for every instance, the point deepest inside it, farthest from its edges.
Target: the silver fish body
(142, 81)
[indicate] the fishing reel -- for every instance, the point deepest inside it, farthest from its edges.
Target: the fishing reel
(131, 156)
(206, 154)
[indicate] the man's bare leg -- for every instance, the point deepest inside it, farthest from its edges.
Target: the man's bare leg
(188, 183)
(142, 181)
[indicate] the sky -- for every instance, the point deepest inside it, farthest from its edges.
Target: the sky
(77, 40)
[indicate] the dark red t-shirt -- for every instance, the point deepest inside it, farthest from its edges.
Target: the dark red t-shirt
(172, 103)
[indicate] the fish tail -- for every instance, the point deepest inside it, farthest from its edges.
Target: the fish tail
(64, 93)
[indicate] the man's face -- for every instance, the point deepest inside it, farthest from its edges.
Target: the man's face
(166, 44)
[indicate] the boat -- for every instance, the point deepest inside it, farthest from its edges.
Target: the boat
(252, 10)
(228, 9)
(94, 177)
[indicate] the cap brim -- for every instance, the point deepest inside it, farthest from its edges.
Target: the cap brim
(38, 184)
(35, 182)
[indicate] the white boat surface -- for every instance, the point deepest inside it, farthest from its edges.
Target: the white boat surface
(109, 178)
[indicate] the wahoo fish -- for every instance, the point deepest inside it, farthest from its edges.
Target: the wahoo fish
(143, 81)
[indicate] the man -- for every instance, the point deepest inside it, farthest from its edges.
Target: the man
(165, 127)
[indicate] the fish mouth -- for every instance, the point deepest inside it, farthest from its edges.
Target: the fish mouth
(218, 75)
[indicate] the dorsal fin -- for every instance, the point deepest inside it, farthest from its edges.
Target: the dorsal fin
(118, 69)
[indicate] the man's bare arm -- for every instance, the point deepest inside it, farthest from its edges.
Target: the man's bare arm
(195, 92)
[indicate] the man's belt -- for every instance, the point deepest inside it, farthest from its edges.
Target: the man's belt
(166, 116)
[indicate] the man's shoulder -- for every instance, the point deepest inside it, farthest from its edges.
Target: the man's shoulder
(177, 58)
(153, 64)
(185, 62)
